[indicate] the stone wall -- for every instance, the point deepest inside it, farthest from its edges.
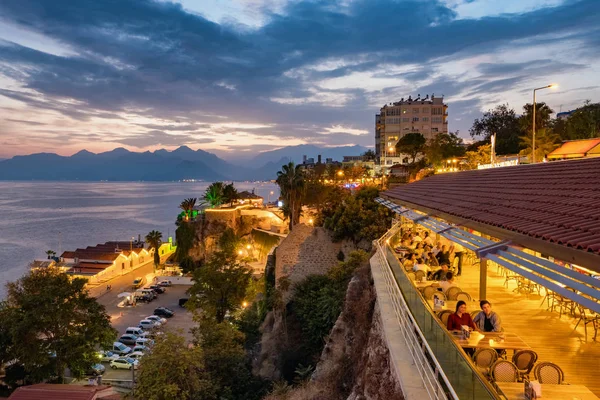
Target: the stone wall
(306, 250)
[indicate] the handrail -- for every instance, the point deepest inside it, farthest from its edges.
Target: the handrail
(434, 388)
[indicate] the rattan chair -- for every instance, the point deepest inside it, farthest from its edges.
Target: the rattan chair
(464, 296)
(588, 317)
(428, 292)
(524, 360)
(411, 276)
(504, 371)
(452, 292)
(549, 373)
(474, 313)
(419, 275)
(439, 295)
(444, 315)
(484, 359)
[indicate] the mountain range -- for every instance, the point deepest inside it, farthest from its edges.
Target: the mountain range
(161, 165)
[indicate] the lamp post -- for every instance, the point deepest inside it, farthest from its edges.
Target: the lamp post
(533, 122)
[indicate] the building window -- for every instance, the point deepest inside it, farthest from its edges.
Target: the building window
(415, 119)
(437, 111)
(405, 119)
(425, 119)
(425, 110)
(436, 119)
(434, 129)
(416, 110)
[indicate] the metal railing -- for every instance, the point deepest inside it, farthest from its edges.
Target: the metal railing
(429, 369)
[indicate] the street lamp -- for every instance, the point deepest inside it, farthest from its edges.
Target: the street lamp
(533, 128)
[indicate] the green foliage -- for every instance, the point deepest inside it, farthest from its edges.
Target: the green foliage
(369, 155)
(185, 236)
(303, 373)
(219, 285)
(264, 242)
(214, 194)
(174, 371)
(188, 205)
(479, 156)
(583, 123)
(229, 242)
(154, 238)
(412, 144)
(325, 199)
(444, 146)
(545, 142)
(504, 122)
(291, 186)
(542, 117)
(359, 218)
(230, 193)
(54, 324)
(187, 265)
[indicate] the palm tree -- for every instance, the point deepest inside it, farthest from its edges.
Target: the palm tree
(214, 194)
(187, 206)
(546, 141)
(230, 193)
(50, 254)
(291, 185)
(154, 238)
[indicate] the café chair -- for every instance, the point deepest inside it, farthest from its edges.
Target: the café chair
(464, 296)
(484, 359)
(588, 317)
(474, 313)
(411, 276)
(452, 292)
(524, 360)
(444, 315)
(549, 373)
(428, 292)
(504, 371)
(419, 275)
(439, 295)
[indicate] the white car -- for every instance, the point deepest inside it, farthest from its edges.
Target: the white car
(164, 283)
(107, 356)
(136, 355)
(144, 342)
(124, 363)
(140, 348)
(156, 318)
(148, 324)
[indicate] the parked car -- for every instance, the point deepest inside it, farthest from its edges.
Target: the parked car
(128, 339)
(142, 348)
(157, 319)
(134, 330)
(143, 298)
(107, 356)
(182, 302)
(120, 349)
(164, 312)
(95, 370)
(144, 342)
(147, 324)
(165, 283)
(136, 355)
(124, 363)
(158, 289)
(148, 292)
(137, 282)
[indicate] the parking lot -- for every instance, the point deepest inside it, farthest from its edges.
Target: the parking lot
(122, 318)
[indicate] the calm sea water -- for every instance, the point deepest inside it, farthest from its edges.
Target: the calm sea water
(40, 216)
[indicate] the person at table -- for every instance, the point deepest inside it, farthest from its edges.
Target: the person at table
(428, 240)
(487, 320)
(440, 274)
(419, 249)
(421, 266)
(417, 238)
(436, 249)
(444, 255)
(460, 317)
(409, 261)
(431, 260)
(448, 283)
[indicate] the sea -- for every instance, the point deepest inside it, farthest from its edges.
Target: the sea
(40, 216)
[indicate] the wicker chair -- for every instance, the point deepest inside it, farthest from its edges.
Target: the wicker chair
(524, 360)
(419, 275)
(444, 315)
(484, 359)
(411, 276)
(439, 295)
(504, 371)
(452, 292)
(549, 373)
(428, 292)
(464, 296)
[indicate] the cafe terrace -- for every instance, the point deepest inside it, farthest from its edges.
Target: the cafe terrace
(531, 239)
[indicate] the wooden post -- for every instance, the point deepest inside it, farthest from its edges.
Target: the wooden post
(483, 279)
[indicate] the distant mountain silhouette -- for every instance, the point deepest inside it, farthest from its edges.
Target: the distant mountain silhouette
(161, 165)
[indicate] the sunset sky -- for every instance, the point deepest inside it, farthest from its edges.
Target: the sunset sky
(232, 76)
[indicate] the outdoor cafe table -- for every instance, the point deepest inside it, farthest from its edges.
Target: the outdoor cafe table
(422, 285)
(501, 341)
(514, 391)
(451, 305)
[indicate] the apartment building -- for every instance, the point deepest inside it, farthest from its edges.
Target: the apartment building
(428, 116)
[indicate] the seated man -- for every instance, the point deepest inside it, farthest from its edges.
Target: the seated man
(440, 274)
(448, 283)
(421, 266)
(431, 260)
(444, 255)
(487, 320)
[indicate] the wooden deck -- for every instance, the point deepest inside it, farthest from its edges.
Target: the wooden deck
(548, 335)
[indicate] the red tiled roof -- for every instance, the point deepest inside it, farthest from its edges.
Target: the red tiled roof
(557, 201)
(46, 391)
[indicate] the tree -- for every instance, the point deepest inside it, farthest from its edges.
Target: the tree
(230, 194)
(444, 146)
(291, 186)
(54, 324)
(480, 156)
(214, 194)
(412, 144)
(369, 155)
(545, 142)
(583, 123)
(542, 117)
(504, 122)
(153, 238)
(51, 254)
(188, 205)
(229, 242)
(219, 285)
(174, 371)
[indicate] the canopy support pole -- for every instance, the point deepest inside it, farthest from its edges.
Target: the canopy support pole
(483, 279)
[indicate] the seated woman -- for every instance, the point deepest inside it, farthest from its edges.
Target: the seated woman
(460, 317)
(419, 249)
(409, 262)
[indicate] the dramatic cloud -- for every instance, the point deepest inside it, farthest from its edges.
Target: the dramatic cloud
(259, 74)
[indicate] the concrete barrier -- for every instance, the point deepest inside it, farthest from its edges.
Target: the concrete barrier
(176, 280)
